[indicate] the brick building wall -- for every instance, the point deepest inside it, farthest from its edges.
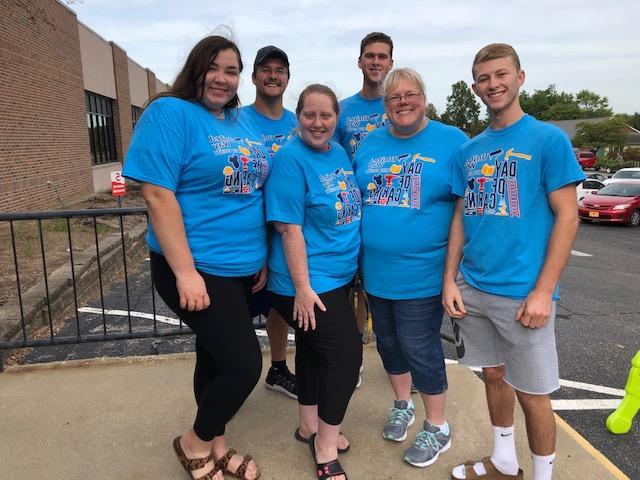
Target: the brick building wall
(151, 83)
(43, 131)
(122, 114)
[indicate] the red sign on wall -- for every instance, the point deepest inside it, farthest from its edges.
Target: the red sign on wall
(117, 184)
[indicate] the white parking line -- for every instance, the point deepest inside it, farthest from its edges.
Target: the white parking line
(263, 333)
(587, 404)
(593, 388)
(159, 318)
(123, 313)
(584, 404)
(580, 254)
(580, 404)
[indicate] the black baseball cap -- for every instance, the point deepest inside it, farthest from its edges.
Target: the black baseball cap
(270, 52)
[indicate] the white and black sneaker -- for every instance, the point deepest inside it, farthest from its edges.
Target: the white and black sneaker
(283, 382)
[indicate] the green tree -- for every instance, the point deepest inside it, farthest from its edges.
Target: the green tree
(634, 120)
(562, 111)
(593, 105)
(540, 101)
(431, 112)
(462, 109)
(549, 104)
(481, 125)
(608, 133)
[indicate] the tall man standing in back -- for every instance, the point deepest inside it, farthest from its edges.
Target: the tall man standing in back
(275, 125)
(364, 111)
(514, 225)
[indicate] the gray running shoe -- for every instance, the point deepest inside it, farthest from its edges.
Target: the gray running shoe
(400, 418)
(429, 444)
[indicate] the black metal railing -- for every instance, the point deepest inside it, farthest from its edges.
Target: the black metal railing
(45, 318)
(19, 321)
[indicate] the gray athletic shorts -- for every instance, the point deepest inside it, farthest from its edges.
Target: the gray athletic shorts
(490, 336)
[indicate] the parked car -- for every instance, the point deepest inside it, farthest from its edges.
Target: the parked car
(586, 159)
(587, 187)
(624, 174)
(618, 202)
(601, 177)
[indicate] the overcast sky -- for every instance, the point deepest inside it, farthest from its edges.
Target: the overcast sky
(574, 44)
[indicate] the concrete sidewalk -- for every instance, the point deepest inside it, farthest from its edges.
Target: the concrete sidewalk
(115, 419)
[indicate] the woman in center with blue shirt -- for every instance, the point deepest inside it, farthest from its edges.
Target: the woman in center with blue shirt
(403, 174)
(314, 203)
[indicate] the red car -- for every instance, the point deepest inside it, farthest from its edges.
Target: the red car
(586, 159)
(617, 202)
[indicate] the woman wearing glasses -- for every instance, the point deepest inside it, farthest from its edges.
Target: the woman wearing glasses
(403, 173)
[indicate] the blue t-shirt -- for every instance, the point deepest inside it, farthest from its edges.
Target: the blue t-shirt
(216, 168)
(318, 191)
(406, 210)
(274, 133)
(505, 177)
(358, 117)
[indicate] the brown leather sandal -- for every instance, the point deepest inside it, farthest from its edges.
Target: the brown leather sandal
(191, 464)
(492, 472)
(223, 464)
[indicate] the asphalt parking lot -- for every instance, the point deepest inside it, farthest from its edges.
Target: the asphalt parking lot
(598, 332)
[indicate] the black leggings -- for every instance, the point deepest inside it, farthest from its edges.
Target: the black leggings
(228, 357)
(327, 358)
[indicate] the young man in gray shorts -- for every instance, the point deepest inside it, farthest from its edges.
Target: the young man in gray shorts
(514, 225)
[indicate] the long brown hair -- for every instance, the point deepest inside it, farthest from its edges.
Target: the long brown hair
(188, 85)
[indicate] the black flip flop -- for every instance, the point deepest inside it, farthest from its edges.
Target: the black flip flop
(325, 470)
(300, 438)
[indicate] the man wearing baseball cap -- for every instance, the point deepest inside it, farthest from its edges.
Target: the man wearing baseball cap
(275, 125)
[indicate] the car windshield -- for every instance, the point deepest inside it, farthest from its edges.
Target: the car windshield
(627, 174)
(620, 190)
(597, 176)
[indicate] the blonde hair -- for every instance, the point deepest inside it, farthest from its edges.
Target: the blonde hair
(493, 51)
(399, 74)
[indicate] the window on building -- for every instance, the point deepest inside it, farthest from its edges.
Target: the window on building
(136, 113)
(101, 127)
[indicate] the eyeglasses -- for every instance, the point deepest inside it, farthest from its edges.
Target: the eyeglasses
(277, 70)
(409, 97)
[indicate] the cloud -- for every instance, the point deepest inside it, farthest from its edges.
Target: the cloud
(574, 44)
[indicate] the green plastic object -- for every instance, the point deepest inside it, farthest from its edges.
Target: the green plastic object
(620, 421)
